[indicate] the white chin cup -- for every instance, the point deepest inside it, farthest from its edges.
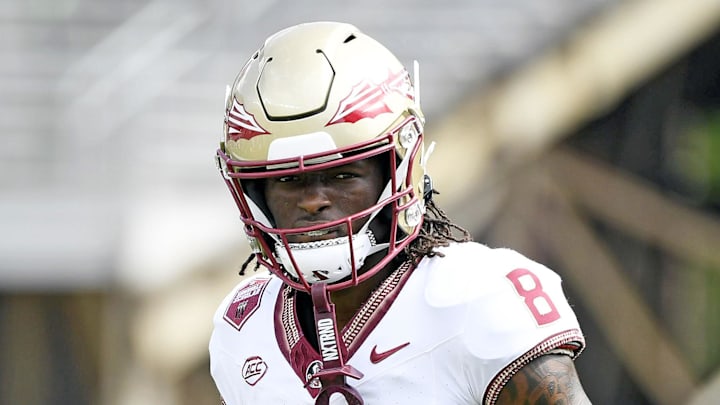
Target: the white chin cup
(326, 261)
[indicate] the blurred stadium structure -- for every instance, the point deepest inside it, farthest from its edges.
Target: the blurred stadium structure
(586, 134)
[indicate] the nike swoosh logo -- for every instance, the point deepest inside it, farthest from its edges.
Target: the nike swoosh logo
(376, 357)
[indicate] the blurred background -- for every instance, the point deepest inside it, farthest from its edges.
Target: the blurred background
(583, 133)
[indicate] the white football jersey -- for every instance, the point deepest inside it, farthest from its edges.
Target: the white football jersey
(451, 331)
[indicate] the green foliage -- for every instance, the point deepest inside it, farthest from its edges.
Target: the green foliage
(699, 157)
(697, 161)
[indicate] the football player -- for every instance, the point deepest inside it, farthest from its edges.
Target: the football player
(373, 295)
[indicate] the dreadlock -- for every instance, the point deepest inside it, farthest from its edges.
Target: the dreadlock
(247, 262)
(437, 231)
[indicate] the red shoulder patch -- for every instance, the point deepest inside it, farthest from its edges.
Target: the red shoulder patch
(246, 302)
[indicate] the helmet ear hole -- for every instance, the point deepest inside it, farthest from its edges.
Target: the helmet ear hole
(427, 188)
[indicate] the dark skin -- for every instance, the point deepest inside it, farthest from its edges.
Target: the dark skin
(322, 196)
(549, 379)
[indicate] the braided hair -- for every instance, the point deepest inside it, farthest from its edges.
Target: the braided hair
(437, 230)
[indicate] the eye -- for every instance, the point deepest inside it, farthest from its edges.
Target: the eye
(345, 175)
(286, 179)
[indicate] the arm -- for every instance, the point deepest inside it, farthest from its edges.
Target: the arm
(549, 379)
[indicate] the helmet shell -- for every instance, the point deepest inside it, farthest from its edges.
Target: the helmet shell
(315, 94)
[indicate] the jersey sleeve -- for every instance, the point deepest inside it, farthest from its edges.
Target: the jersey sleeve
(221, 364)
(515, 311)
(229, 318)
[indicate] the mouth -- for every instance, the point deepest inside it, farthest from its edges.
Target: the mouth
(317, 235)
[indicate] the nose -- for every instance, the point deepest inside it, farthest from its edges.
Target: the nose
(313, 199)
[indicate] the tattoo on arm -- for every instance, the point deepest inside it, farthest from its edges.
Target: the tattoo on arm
(549, 379)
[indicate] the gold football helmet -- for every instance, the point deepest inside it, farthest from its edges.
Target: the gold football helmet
(315, 96)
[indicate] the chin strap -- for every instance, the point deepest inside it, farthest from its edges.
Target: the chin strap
(332, 351)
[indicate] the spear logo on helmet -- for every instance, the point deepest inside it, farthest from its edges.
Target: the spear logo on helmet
(241, 124)
(366, 100)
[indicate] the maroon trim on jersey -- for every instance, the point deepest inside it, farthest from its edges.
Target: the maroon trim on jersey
(571, 340)
(298, 351)
(375, 308)
(292, 343)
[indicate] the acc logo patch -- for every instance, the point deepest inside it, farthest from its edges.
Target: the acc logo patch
(245, 302)
(254, 369)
